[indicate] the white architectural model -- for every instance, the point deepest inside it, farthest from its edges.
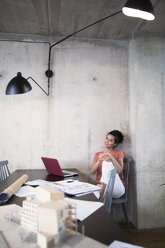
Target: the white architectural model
(49, 215)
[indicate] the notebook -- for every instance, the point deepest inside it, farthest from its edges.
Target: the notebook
(52, 166)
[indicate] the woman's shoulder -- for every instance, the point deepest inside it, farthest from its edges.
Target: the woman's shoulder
(118, 153)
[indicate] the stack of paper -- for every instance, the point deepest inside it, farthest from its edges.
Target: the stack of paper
(75, 187)
(69, 186)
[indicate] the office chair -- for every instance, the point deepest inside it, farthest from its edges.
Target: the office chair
(123, 199)
(107, 197)
(4, 170)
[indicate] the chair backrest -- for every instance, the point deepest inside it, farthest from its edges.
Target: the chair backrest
(127, 164)
(4, 170)
(107, 197)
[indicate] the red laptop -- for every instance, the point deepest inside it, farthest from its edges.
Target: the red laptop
(52, 166)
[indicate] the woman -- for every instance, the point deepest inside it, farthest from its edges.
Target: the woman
(107, 160)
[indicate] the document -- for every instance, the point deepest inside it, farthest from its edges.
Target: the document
(25, 191)
(84, 208)
(75, 187)
(39, 182)
(69, 186)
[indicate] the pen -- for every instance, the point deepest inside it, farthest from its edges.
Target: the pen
(70, 181)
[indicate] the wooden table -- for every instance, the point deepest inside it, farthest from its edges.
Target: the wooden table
(99, 226)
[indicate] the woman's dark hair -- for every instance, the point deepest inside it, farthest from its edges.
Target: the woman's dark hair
(117, 135)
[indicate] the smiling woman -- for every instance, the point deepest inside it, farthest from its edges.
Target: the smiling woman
(108, 159)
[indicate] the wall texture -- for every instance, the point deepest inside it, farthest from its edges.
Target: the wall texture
(96, 87)
(147, 123)
(88, 98)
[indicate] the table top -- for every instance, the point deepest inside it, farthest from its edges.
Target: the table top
(99, 225)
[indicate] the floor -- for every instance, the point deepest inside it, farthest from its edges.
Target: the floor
(148, 238)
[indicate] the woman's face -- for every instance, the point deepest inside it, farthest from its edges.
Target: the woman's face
(109, 141)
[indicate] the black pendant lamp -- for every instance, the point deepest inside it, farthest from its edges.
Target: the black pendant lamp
(18, 85)
(139, 8)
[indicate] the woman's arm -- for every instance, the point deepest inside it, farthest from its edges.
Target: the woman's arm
(118, 164)
(107, 157)
(94, 167)
(96, 162)
(102, 192)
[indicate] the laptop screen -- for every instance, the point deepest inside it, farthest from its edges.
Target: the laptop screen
(52, 166)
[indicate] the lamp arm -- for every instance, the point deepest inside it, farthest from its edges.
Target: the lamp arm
(116, 13)
(47, 93)
(49, 72)
(65, 38)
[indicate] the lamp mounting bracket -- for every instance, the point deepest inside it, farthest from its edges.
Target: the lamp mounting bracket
(49, 73)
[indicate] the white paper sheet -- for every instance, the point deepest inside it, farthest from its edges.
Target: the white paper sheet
(86, 193)
(118, 244)
(97, 194)
(84, 208)
(25, 191)
(39, 182)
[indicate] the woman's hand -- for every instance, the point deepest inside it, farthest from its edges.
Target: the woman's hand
(102, 156)
(105, 156)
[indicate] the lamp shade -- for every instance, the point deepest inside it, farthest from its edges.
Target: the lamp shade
(18, 85)
(139, 8)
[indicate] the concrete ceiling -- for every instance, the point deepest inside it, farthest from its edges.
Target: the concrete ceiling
(59, 18)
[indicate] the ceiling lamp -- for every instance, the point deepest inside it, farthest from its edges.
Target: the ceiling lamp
(134, 8)
(139, 8)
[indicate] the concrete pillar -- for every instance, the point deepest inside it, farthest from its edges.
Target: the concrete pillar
(147, 123)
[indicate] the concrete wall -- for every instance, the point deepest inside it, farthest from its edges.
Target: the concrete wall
(147, 123)
(88, 98)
